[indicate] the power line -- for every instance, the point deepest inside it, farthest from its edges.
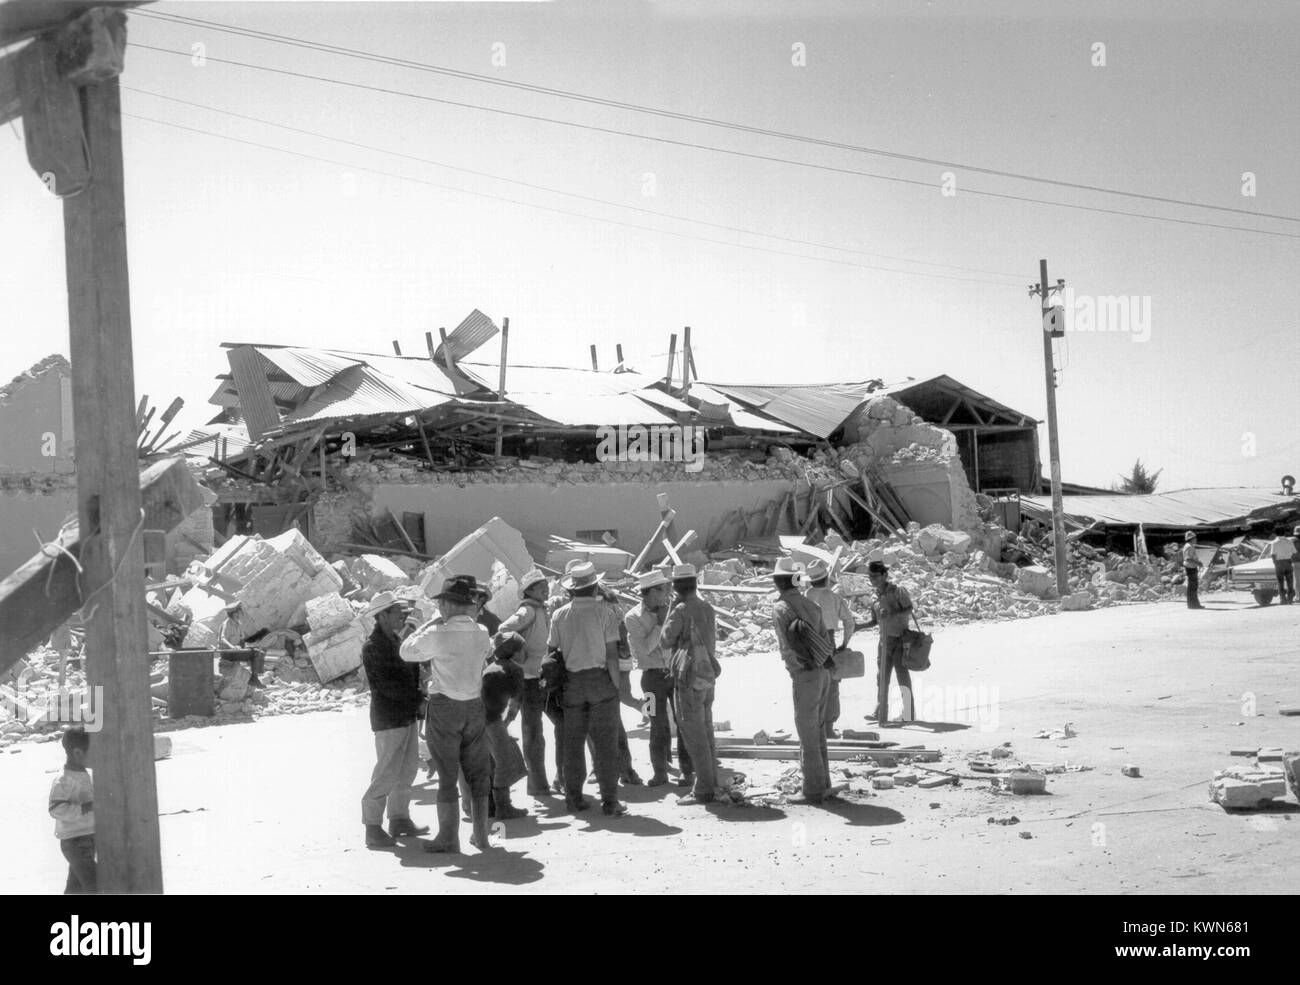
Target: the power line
(707, 147)
(690, 118)
(547, 208)
(557, 191)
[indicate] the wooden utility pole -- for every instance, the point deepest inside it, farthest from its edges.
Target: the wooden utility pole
(501, 381)
(672, 358)
(1049, 331)
(65, 86)
(595, 367)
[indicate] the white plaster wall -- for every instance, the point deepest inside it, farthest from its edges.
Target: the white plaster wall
(539, 509)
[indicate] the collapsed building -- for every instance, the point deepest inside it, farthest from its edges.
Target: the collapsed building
(403, 454)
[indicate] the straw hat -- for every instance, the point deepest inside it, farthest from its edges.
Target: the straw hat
(580, 574)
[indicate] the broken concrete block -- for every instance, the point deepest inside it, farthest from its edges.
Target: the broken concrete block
(1076, 602)
(930, 782)
(337, 654)
(1026, 782)
(328, 614)
(882, 783)
(1244, 751)
(505, 591)
(1036, 580)
(375, 574)
(1237, 794)
(473, 555)
(1291, 767)
(162, 747)
(906, 778)
(1130, 770)
(1270, 755)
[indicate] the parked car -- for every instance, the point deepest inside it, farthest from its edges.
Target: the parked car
(1257, 577)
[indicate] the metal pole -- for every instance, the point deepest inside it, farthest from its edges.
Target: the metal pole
(1053, 443)
(501, 383)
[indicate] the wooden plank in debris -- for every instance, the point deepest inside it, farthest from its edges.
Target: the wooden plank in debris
(29, 614)
(837, 753)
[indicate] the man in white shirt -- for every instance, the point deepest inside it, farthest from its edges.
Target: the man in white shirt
(585, 630)
(645, 623)
(836, 614)
(1284, 552)
(455, 728)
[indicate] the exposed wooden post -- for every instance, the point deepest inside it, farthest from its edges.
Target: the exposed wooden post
(618, 354)
(594, 367)
(428, 341)
(686, 362)
(672, 358)
(446, 352)
(501, 382)
(397, 349)
(108, 500)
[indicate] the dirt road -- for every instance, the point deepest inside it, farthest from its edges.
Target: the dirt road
(272, 806)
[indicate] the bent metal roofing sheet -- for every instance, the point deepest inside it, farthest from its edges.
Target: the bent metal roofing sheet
(1181, 508)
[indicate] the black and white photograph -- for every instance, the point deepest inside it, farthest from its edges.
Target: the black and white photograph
(652, 448)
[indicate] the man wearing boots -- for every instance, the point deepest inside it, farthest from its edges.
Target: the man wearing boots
(804, 649)
(395, 706)
(531, 622)
(692, 623)
(891, 612)
(645, 623)
(456, 725)
(585, 631)
(836, 614)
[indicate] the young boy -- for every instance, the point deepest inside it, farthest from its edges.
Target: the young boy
(72, 805)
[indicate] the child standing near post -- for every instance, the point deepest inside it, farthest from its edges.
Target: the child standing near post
(72, 805)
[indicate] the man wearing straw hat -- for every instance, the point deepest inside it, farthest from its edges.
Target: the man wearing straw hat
(692, 623)
(836, 614)
(585, 630)
(395, 708)
(805, 649)
(645, 623)
(456, 724)
(531, 622)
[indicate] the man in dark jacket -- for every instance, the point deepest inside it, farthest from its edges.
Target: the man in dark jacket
(798, 624)
(395, 710)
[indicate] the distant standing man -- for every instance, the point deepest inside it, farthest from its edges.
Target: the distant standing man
(890, 611)
(796, 618)
(1191, 564)
(455, 728)
(1284, 552)
(692, 622)
(836, 614)
(586, 632)
(645, 624)
(532, 622)
(395, 708)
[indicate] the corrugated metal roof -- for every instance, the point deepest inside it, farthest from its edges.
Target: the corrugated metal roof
(308, 367)
(474, 331)
(946, 382)
(817, 409)
(361, 391)
(1181, 508)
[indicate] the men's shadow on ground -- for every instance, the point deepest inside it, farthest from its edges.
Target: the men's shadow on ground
(745, 815)
(498, 864)
(637, 825)
(862, 815)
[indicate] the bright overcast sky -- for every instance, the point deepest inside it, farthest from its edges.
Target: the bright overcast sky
(818, 275)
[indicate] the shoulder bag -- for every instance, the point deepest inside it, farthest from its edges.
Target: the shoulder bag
(916, 647)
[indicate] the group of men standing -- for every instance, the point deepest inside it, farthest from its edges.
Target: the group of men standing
(571, 664)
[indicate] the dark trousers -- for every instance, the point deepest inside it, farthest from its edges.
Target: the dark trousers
(533, 708)
(810, 689)
(456, 733)
(890, 659)
(695, 726)
(80, 853)
(658, 683)
(1285, 571)
(1193, 583)
(625, 770)
(591, 709)
(832, 706)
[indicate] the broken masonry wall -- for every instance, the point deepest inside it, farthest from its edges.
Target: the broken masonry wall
(39, 504)
(919, 460)
(36, 420)
(560, 498)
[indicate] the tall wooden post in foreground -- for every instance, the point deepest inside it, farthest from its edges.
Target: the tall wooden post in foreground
(69, 98)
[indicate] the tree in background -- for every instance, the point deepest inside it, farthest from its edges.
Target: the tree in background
(1138, 481)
